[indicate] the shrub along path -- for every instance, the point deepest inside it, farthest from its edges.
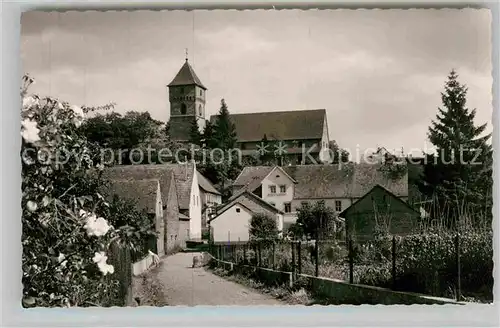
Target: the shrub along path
(184, 285)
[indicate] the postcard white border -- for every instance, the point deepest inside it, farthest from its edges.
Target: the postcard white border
(13, 315)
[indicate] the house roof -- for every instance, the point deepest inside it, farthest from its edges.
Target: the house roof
(344, 180)
(284, 125)
(392, 195)
(252, 176)
(226, 208)
(182, 174)
(283, 171)
(144, 192)
(329, 181)
(186, 76)
(242, 193)
(206, 185)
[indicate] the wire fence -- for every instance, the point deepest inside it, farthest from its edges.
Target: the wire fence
(449, 265)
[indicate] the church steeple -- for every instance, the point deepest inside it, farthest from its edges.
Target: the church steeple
(187, 102)
(186, 76)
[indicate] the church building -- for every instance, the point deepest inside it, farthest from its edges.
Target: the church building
(297, 135)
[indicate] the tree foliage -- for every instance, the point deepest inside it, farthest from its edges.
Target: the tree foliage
(122, 133)
(314, 221)
(263, 227)
(458, 177)
(195, 136)
(66, 227)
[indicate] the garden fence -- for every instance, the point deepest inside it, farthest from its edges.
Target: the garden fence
(429, 264)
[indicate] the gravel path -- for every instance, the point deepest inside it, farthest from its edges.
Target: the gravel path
(187, 286)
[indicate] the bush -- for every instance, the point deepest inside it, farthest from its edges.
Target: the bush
(67, 226)
(426, 263)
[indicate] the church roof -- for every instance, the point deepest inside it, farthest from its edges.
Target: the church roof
(186, 76)
(285, 125)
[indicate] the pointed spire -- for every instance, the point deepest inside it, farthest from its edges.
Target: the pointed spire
(186, 76)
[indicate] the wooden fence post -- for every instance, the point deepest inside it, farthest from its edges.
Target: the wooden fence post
(259, 255)
(299, 256)
(316, 257)
(457, 255)
(274, 255)
(244, 254)
(393, 262)
(351, 260)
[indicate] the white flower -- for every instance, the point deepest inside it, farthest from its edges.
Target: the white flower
(106, 268)
(60, 106)
(29, 101)
(30, 131)
(96, 226)
(101, 258)
(32, 206)
(61, 260)
(79, 115)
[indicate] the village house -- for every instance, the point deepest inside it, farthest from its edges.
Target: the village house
(146, 195)
(338, 185)
(185, 177)
(210, 199)
(232, 221)
(379, 209)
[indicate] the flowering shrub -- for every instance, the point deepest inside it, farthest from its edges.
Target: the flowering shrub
(65, 237)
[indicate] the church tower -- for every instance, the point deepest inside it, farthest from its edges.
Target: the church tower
(187, 101)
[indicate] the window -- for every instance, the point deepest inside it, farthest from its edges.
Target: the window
(200, 112)
(175, 237)
(201, 92)
(183, 109)
(272, 189)
(282, 189)
(288, 207)
(338, 206)
(237, 210)
(181, 91)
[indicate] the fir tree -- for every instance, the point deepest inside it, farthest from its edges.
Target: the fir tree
(224, 130)
(458, 177)
(224, 138)
(194, 133)
(208, 136)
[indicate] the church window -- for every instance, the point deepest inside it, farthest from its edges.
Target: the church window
(200, 112)
(183, 109)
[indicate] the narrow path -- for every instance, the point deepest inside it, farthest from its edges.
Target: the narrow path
(187, 286)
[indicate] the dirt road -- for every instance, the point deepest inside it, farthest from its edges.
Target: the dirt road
(187, 286)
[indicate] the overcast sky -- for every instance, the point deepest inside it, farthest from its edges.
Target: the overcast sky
(378, 73)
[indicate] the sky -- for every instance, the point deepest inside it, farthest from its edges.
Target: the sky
(378, 73)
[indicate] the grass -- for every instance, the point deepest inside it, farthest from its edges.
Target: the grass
(147, 289)
(295, 296)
